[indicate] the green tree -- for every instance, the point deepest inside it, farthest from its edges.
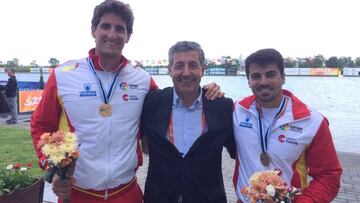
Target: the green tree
(332, 62)
(33, 63)
(304, 62)
(227, 60)
(346, 62)
(357, 62)
(290, 63)
(15, 61)
(235, 61)
(210, 63)
(10, 64)
(53, 62)
(351, 64)
(318, 61)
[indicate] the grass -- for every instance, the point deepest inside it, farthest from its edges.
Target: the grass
(16, 147)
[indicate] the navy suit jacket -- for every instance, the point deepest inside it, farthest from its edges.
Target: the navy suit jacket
(197, 176)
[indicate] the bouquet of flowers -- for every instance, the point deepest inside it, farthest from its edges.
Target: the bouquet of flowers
(61, 151)
(268, 186)
(15, 176)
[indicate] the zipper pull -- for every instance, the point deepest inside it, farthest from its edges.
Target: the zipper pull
(106, 194)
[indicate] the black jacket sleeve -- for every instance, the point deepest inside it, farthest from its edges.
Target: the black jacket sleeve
(11, 87)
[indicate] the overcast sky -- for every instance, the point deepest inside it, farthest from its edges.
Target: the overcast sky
(41, 29)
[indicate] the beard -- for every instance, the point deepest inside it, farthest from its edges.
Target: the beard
(267, 96)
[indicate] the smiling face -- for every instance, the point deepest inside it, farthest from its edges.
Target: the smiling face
(186, 72)
(110, 36)
(266, 84)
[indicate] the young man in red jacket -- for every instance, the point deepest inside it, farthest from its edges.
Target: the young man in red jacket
(275, 130)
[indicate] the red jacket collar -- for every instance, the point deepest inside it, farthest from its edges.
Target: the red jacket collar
(96, 60)
(299, 109)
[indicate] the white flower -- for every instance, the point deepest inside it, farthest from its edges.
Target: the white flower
(270, 190)
(254, 179)
(67, 148)
(9, 167)
(23, 169)
(56, 158)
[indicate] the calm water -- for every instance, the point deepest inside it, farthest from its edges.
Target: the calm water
(335, 97)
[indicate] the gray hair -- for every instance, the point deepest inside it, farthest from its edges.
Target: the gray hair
(185, 46)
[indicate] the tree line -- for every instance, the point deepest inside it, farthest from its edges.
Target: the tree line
(318, 61)
(53, 62)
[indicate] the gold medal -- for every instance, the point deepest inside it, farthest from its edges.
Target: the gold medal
(105, 110)
(265, 159)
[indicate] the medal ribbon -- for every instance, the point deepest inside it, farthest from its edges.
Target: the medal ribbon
(171, 127)
(105, 96)
(264, 140)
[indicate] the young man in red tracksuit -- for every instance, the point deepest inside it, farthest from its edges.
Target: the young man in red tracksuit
(275, 130)
(100, 98)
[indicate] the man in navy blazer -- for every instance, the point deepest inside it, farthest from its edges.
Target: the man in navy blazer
(186, 134)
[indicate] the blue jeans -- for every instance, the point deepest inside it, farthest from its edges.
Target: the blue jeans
(12, 102)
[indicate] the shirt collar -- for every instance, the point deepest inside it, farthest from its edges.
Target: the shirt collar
(96, 60)
(197, 104)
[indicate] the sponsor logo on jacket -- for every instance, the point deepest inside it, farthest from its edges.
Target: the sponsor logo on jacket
(247, 122)
(127, 97)
(283, 138)
(125, 86)
(292, 128)
(87, 92)
(69, 67)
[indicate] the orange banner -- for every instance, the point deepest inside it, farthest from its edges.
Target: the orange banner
(28, 100)
(325, 71)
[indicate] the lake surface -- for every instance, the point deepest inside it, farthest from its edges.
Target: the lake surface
(337, 98)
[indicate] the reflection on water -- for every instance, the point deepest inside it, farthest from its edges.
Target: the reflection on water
(337, 98)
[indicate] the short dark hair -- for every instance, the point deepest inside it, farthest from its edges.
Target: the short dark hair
(116, 7)
(184, 46)
(265, 57)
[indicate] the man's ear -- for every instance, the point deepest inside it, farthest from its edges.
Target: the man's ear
(203, 69)
(169, 70)
(128, 38)
(93, 32)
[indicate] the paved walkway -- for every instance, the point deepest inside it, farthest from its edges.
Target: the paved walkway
(350, 180)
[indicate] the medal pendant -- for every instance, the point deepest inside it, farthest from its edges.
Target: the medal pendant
(265, 159)
(105, 110)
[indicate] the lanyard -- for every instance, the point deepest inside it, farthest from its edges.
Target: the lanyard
(104, 96)
(171, 127)
(264, 137)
